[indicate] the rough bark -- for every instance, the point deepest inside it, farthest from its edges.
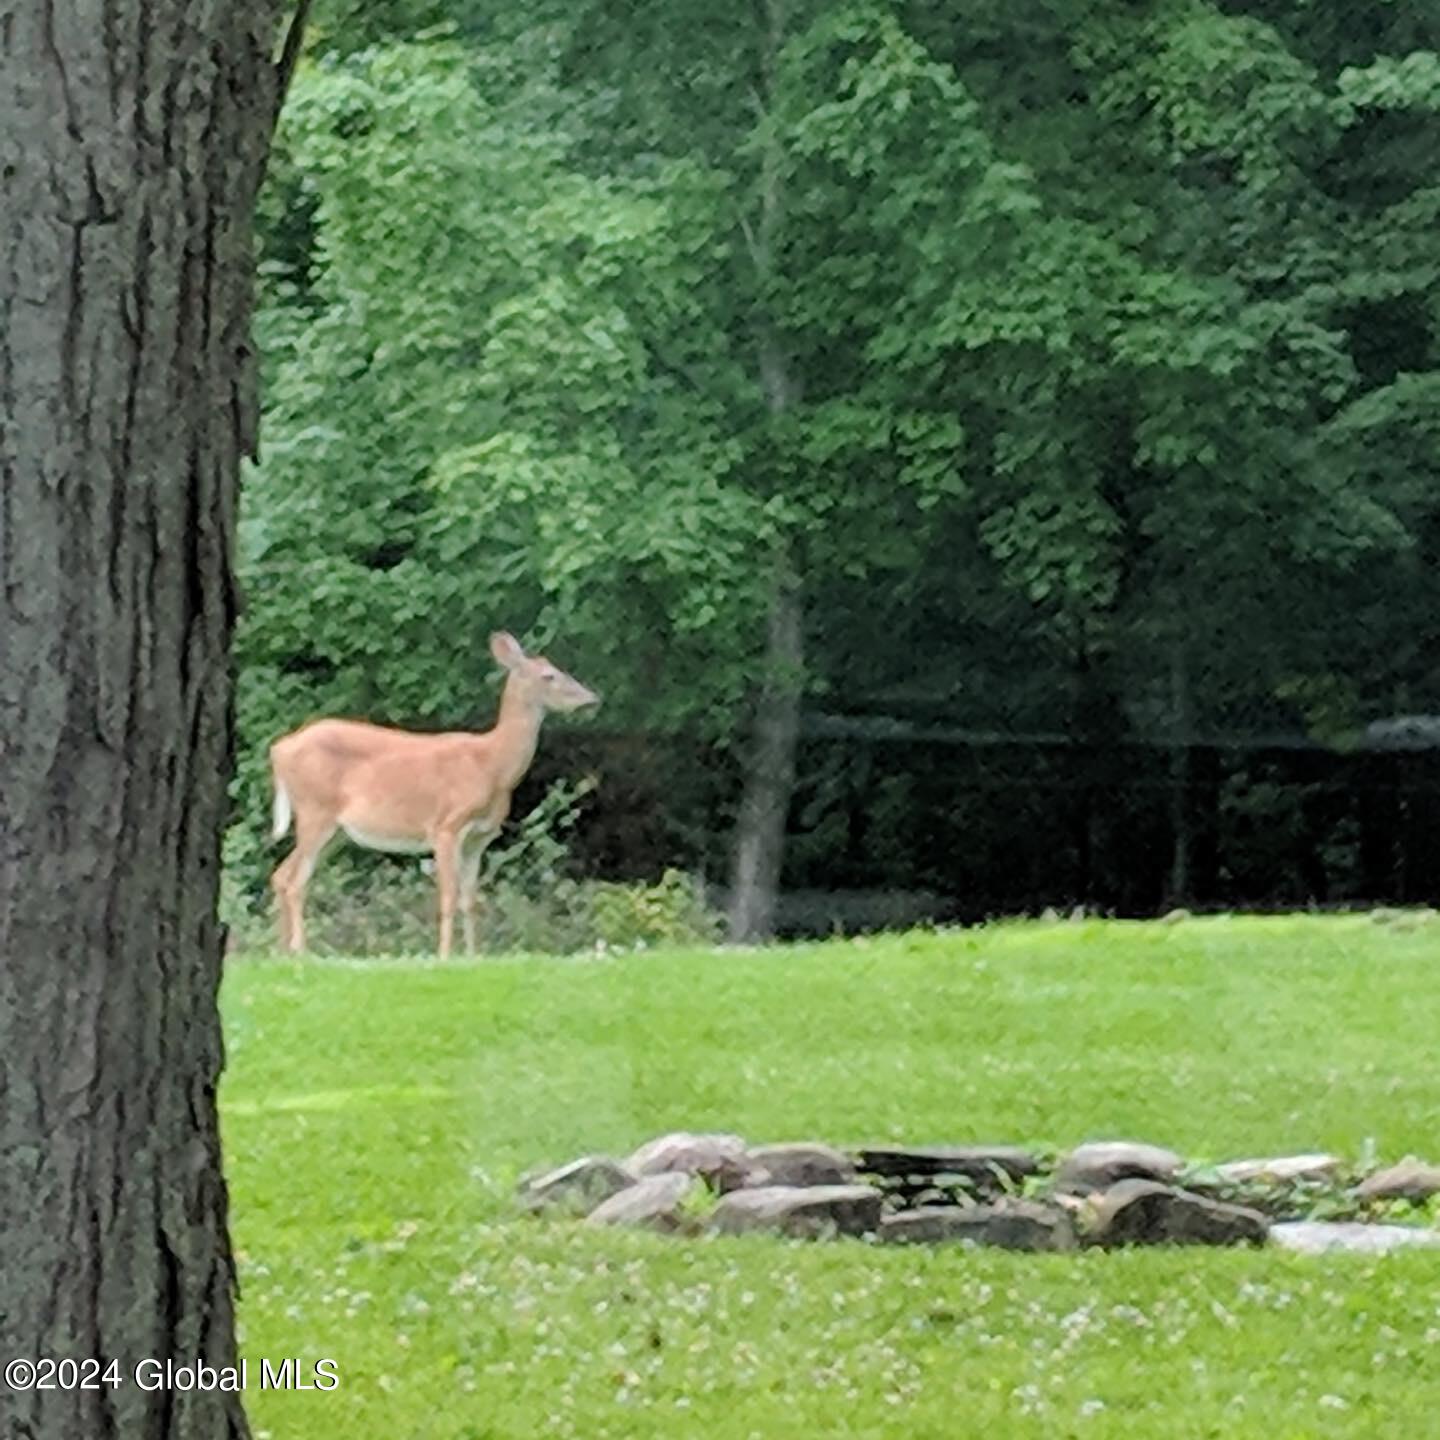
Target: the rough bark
(132, 138)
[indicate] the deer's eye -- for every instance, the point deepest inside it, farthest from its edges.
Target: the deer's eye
(547, 674)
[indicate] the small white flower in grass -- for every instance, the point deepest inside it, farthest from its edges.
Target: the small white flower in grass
(1091, 1407)
(1334, 1402)
(1028, 1396)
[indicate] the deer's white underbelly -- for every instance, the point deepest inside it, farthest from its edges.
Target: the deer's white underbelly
(391, 844)
(404, 844)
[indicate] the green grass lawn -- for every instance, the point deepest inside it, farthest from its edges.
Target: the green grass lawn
(377, 1114)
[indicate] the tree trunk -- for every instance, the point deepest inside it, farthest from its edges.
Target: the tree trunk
(770, 775)
(1205, 783)
(1181, 738)
(132, 140)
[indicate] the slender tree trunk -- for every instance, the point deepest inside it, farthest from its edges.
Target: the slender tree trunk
(770, 775)
(1181, 725)
(132, 140)
(1089, 728)
(1205, 783)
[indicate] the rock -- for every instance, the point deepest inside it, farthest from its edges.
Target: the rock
(579, 1186)
(1101, 1163)
(801, 1163)
(1281, 1169)
(1008, 1225)
(928, 1225)
(1319, 1237)
(718, 1159)
(1411, 1179)
(1315, 1237)
(809, 1212)
(654, 1203)
(1145, 1212)
(987, 1169)
(1405, 919)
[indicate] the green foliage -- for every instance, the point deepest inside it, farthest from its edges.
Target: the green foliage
(530, 898)
(671, 912)
(1394, 82)
(1105, 335)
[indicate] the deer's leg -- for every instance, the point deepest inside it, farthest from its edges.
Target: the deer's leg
(291, 877)
(447, 880)
(471, 854)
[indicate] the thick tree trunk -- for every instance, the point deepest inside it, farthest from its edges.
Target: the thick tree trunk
(770, 775)
(132, 139)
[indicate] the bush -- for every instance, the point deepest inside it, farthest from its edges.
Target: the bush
(365, 904)
(672, 912)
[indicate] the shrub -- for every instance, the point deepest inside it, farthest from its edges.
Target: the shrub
(366, 904)
(672, 912)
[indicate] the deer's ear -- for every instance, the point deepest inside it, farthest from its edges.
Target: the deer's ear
(506, 649)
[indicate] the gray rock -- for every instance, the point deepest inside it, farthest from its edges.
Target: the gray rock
(986, 1168)
(654, 1203)
(1319, 1237)
(808, 1212)
(1101, 1163)
(1411, 1179)
(1008, 1225)
(800, 1163)
(719, 1159)
(1281, 1169)
(1145, 1212)
(579, 1186)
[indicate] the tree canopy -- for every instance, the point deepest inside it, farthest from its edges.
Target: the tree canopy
(1063, 368)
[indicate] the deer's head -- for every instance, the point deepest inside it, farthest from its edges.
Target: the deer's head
(538, 682)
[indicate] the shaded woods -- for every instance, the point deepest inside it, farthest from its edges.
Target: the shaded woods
(989, 460)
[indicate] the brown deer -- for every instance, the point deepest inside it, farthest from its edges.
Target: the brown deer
(442, 795)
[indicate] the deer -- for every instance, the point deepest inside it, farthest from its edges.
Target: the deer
(407, 793)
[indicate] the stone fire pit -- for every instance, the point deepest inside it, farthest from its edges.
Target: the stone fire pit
(1105, 1193)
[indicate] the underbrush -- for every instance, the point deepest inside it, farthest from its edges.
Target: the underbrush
(365, 904)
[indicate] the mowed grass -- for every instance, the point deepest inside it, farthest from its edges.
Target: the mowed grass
(377, 1114)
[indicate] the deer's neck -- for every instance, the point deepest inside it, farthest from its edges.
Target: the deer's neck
(516, 733)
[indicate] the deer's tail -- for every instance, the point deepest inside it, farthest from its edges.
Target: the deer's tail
(281, 815)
